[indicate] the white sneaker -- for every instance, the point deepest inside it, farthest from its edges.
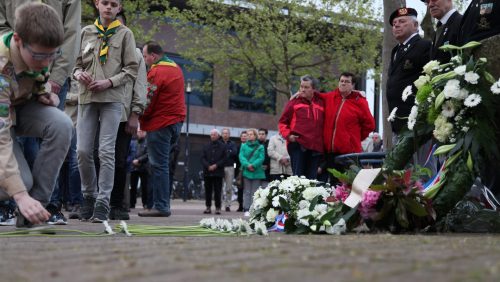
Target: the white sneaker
(247, 214)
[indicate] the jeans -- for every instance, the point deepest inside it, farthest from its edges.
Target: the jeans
(121, 153)
(108, 116)
(251, 185)
(213, 184)
(54, 128)
(159, 143)
(305, 162)
(69, 184)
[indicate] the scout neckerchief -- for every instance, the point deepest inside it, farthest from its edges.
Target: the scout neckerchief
(164, 61)
(38, 76)
(105, 33)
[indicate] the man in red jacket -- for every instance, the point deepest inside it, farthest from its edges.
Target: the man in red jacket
(348, 120)
(163, 120)
(301, 124)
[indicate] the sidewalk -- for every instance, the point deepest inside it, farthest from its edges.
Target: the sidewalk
(373, 257)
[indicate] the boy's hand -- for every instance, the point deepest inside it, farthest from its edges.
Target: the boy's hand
(99, 85)
(84, 77)
(31, 208)
(54, 87)
(49, 99)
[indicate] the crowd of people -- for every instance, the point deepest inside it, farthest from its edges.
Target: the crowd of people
(114, 91)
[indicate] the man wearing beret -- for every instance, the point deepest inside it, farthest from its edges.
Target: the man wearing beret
(447, 27)
(407, 61)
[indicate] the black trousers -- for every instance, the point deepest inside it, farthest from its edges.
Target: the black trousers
(134, 183)
(122, 146)
(213, 184)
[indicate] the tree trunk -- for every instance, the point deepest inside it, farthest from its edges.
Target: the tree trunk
(388, 43)
(427, 26)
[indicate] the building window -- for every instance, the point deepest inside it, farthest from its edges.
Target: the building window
(254, 96)
(201, 81)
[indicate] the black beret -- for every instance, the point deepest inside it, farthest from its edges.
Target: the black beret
(401, 12)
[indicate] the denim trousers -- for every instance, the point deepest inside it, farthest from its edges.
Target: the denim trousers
(159, 143)
(305, 162)
(107, 116)
(54, 129)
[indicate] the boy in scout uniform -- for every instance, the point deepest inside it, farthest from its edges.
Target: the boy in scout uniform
(28, 108)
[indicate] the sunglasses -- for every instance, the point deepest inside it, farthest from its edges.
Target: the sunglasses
(43, 56)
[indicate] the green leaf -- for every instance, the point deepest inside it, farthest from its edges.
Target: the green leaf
(439, 100)
(469, 161)
(470, 45)
(443, 149)
(489, 77)
(284, 204)
(445, 76)
(449, 47)
(414, 207)
(314, 201)
(330, 214)
(401, 215)
(378, 187)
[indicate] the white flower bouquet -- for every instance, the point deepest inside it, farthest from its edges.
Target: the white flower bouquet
(304, 201)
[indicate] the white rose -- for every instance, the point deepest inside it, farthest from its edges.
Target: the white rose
(421, 81)
(430, 66)
(471, 77)
(460, 70)
(452, 88)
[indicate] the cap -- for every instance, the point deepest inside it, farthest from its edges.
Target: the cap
(401, 12)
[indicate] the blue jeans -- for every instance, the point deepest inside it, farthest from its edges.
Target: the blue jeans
(305, 162)
(159, 143)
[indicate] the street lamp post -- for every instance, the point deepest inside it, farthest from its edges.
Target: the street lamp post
(186, 144)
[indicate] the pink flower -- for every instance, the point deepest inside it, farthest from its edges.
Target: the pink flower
(367, 206)
(342, 192)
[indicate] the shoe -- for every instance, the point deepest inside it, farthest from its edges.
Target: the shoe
(247, 214)
(7, 217)
(154, 213)
(75, 212)
(101, 212)
(228, 209)
(118, 214)
(217, 211)
(87, 208)
(207, 211)
(57, 218)
(240, 209)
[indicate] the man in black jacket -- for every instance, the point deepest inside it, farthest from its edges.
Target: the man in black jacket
(213, 160)
(408, 59)
(447, 27)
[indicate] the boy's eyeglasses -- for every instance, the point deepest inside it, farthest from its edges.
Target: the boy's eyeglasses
(43, 56)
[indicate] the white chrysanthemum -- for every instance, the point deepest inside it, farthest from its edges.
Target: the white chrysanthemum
(460, 70)
(276, 201)
(472, 101)
(421, 81)
(412, 118)
(271, 215)
(303, 213)
(406, 93)
(264, 192)
(448, 109)
(430, 66)
(260, 228)
(392, 116)
(462, 94)
(312, 192)
(495, 88)
(259, 203)
(452, 88)
(471, 77)
(465, 129)
(304, 204)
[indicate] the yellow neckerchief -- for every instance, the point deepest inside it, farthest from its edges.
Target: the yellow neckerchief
(164, 61)
(105, 33)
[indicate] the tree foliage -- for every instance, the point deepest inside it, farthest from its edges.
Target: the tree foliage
(276, 42)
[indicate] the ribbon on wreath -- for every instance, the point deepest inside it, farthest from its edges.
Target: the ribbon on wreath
(279, 225)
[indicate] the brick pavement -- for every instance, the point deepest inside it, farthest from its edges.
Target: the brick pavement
(353, 257)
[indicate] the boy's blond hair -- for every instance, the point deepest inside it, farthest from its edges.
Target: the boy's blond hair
(38, 23)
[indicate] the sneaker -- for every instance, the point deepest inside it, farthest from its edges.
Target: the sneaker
(75, 212)
(101, 212)
(57, 218)
(247, 214)
(87, 208)
(7, 217)
(118, 214)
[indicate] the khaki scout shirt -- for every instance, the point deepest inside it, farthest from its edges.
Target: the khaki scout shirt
(121, 66)
(135, 93)
(70, 12)
(11, 92)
